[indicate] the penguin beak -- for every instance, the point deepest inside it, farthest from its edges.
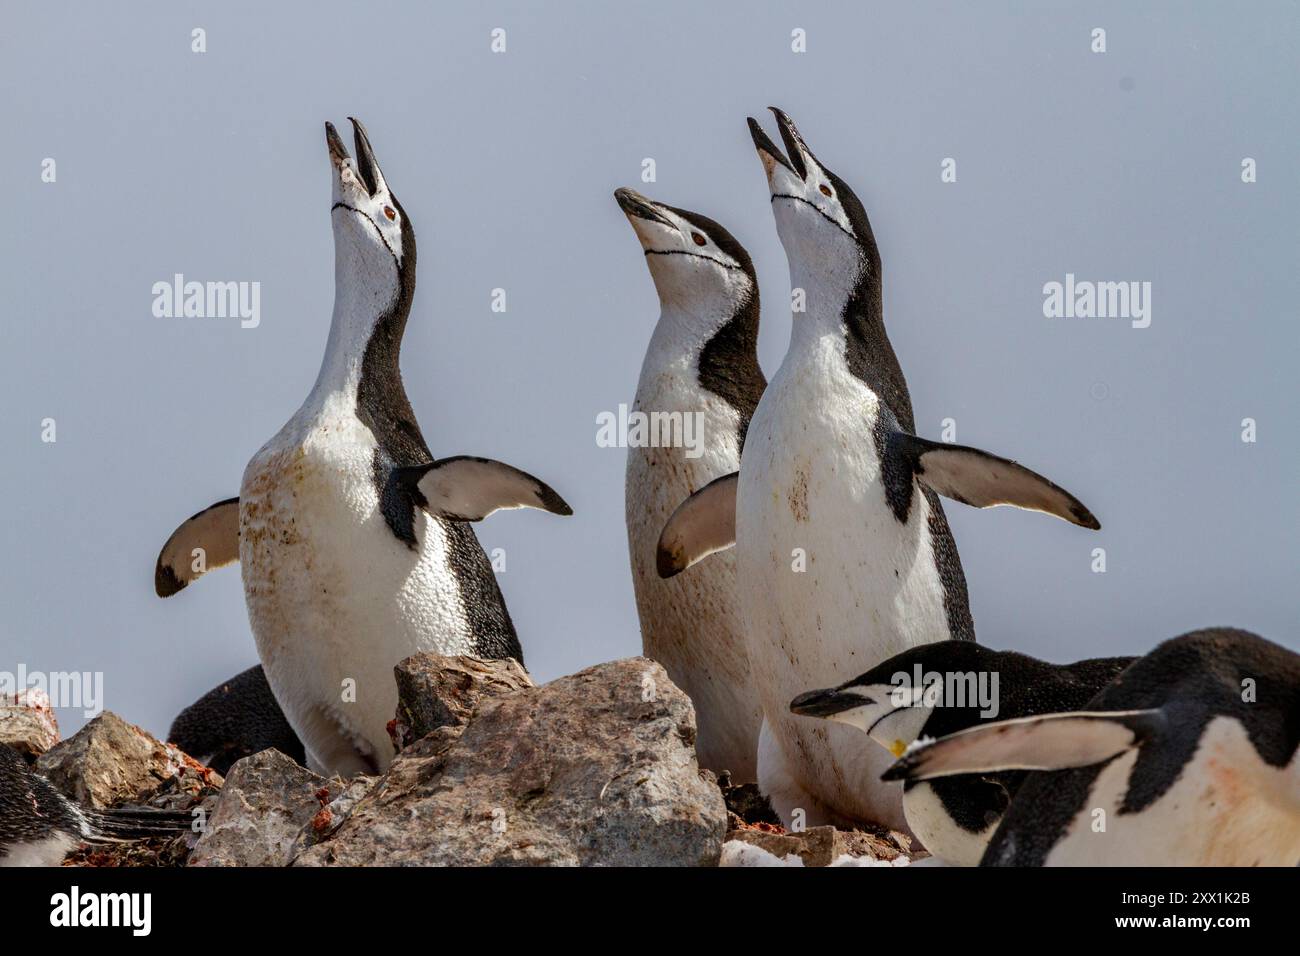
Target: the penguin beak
(795, 147)
(637, 206)
(828, 702)
(367, 165)
(768, 153)
(338, 152)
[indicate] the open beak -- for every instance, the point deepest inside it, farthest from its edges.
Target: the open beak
(637, 206)
(795, 147)
(338, 152)
(367, 165)
(768, 151)
(827, 703)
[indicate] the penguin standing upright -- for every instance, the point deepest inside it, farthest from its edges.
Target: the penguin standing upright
(40, 826)
(1190, 757)
(701, 368)
(937, 689)
(844, 557)
(352, 538)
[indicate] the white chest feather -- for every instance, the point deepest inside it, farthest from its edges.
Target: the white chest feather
(334, 598)
(830, 581)
(939, 833)
(1227, 808)
(691, 623)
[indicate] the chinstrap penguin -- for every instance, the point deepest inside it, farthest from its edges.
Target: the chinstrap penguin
(235, 719)
(40, 826)
(702, 361)
(1188, 758)
(937, 689)
(844, 556)
(353, 540)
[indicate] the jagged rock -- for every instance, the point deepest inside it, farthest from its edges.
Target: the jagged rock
(27, 722)
(265, 803)
(109, 762)
(435, 691)
(336, 806)
(597, 768)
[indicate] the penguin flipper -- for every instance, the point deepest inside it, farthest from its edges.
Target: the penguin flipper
(465, 488)
(214, 532)
(1045, 742)
(703, 524)
(977, 478)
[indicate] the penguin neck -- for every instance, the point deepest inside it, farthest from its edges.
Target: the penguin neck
(362, 363)
(848, 308)
(686, 327)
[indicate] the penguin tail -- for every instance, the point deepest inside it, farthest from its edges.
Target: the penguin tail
(121, 825)
(1044, 742)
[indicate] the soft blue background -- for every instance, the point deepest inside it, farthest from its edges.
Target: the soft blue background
(1117, 166)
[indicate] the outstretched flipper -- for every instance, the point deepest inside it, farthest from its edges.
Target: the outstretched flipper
(977, 478)
(209, 539)
(1045, 742)
(465, 488)
(703, 524)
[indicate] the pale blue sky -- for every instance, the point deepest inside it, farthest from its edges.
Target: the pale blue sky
(1118, 166)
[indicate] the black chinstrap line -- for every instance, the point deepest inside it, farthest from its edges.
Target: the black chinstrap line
(813, 207)
(695, 255)
(379, 232)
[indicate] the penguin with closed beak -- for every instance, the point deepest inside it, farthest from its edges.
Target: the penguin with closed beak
(700, 369)
(354, 541)
(1189, 757)
(844, 557)
(937, 689)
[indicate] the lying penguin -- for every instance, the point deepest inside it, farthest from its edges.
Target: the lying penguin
(40, 826)
(1187, 758)
(236, 718)
(938, 689)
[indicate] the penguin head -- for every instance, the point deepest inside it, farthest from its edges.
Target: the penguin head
(371, 231)
(691, 258)
(892, 716)
(822, 224)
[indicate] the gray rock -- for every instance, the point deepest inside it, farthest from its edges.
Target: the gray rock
(265, 803)
(27, 722)
(597, 768)
(109, 762)
(342, 797)
(435, 691)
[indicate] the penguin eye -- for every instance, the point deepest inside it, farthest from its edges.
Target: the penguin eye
(826, 190)
(388, 211)
(699, 240)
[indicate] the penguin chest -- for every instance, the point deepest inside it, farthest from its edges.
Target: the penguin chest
(833, 582)
(334, 598)
(1227, 807)
(691, 623)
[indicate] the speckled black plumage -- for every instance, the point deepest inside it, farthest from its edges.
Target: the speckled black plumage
(235, 719)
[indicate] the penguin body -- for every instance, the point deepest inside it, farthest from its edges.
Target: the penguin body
(944, 687)
(843, 553)
(1187, 758)
(702, 362)
(40, 826)
(236, 719)
(352, 538)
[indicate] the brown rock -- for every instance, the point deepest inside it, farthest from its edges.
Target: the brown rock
(597, 768)
(435, 691)
(27, 722)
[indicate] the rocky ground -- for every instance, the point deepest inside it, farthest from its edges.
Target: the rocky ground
(594, 769)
